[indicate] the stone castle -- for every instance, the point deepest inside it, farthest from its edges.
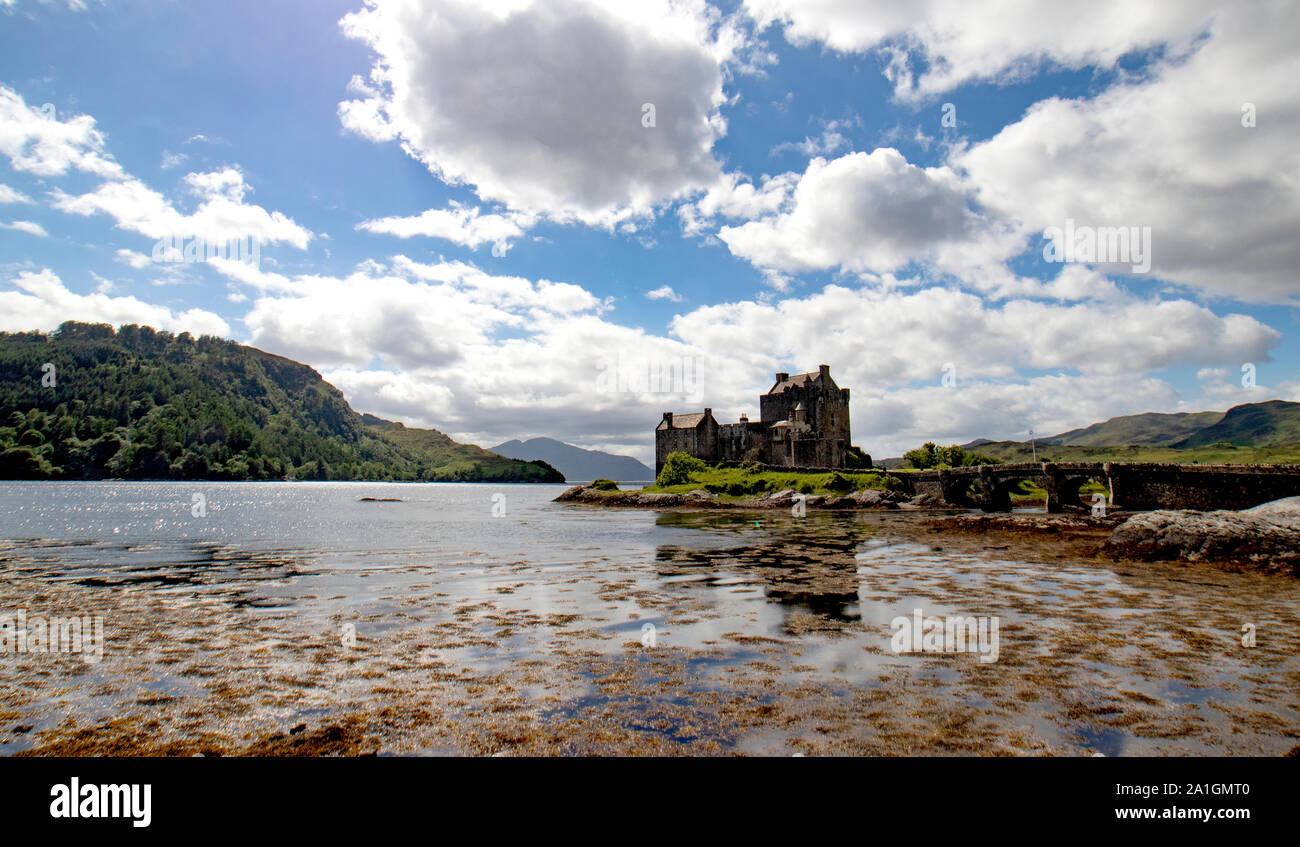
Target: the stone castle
(803, 422)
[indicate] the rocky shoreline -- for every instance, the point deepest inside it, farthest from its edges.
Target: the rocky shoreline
(1265, 538)
(785, 499)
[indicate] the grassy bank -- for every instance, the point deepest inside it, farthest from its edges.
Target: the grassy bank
(744, 483)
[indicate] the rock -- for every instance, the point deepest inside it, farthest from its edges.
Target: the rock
(928, 501)
(785, 494)
(1267, 537)
(569, 495)
(297, 729)
(1285, 512)
(655, 498)
(872, 499)
(701, 494)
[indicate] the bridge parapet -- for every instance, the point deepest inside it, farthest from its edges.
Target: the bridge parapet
(1131, 485)
(1204, 487)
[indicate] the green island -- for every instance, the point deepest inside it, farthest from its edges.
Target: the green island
(88, 402)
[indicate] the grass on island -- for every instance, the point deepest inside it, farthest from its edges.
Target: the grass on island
(682, 474)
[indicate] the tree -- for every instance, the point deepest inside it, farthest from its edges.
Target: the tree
(931, 455)
(678, 468)
(923, 457)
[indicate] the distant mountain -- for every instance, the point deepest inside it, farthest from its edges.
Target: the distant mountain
(576, 463)
(1153, 429)
(88, 402)
(1251, 425)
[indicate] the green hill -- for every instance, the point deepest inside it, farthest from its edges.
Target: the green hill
(144, 404)
(1152, 428)
(1270, 424)
(1252, 433)
(1214, 454)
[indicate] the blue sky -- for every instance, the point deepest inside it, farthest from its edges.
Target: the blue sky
(464, 221)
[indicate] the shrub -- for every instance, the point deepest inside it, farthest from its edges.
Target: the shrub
(839, 482)
(931, 455)
(604, 485)
(855, 459)
(678, 468)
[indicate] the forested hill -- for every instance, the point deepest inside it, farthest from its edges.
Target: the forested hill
(86, 402)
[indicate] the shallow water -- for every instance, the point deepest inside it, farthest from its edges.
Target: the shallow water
(234, 617)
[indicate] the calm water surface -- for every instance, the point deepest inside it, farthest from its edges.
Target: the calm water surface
(305, 556)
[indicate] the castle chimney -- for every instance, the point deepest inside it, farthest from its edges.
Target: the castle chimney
(708, 413)
(744, 418)
(782, 376)
(825, 369)
(668, 419)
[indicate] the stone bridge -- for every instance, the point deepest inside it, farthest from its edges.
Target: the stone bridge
(1132, 486)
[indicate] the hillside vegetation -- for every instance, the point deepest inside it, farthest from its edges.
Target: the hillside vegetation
(1249, 434)
(1149, 429)
(1009, 452)
(86, 402)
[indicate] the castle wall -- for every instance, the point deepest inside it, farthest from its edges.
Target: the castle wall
(699, 441)
(741, 442)
(821, 439)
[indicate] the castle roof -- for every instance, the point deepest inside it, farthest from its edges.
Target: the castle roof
(689, 420)
(795, 381)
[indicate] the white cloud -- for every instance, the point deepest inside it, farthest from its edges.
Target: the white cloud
(410, 315)
(1169, 152)
(29, 227)
(41, 301)
(664, 292)
(134, 259)
(891, 349)
(828, 142)
(42, 144)
(732, 196)
(1163, 147)
(173, 160)
(920, 331)
(11, 195)
(46, 146)
(1222, 388)
(889, 424)
(227, 183)
(539, 105)
(458, 224)
(868, 212)
(220, 216)
(1000, 40)
(487, 358)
